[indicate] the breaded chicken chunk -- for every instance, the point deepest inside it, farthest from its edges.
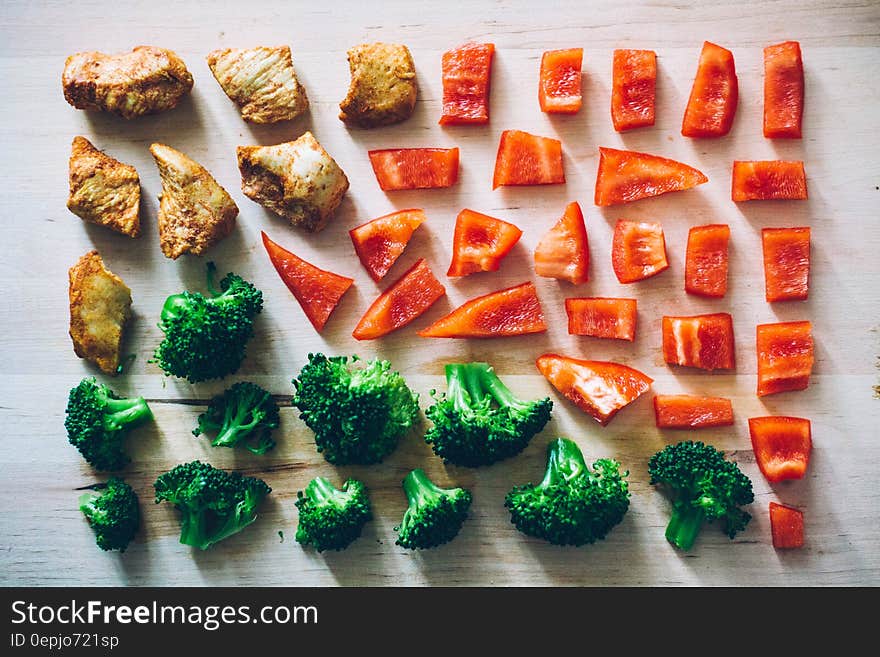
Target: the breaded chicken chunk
(297, 180)
(383, 85)
(195, 212)
(100, 306)
(261, 81)
(103, 190)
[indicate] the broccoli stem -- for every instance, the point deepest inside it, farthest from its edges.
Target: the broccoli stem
(87, 506)
(193, 529)
(419, 489)
(500, 392)
(234, 424)
(684, 525)
(464, 386)
(123, 412)
(565, 461)
(320, 490)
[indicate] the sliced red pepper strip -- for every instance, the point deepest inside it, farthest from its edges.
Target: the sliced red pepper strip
(599, 388)
(466, 75)
(638, 250)
(512, 311)
(768, 180)
(626, 176)
(559, 87)
(414, 168)
(634, 79)
(692, 412)
(786, 526)
(316, 290)
(782, 446)
(405, 300)
(564, 251)
(380, 242)
(525, 159)
(785, 356)
(602, 317)
(480, 243)
(786, 263)
(783, 91)
(705, 269)
(714, 95)
(703, 341)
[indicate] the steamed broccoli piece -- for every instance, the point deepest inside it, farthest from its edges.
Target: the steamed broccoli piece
(206, 337)
(244, 414)
(214, 504)
(479, 421)
(434, 515)
(113, 513)
(329, 518)
(358, 409)
(704, 486)
(572, 505)
(98, 420)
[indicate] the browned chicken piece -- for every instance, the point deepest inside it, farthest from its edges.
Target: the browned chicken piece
(261, 81)
(195, 212)
(144, 81)
(297, 180)
(103, 190)
(100, 306)
(383, 85)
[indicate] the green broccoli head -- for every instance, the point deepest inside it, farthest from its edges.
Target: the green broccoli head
(479, 421)
(98, 420)
(329, 518)
(214, 504)
(358, 409)
(244, 414)
(572, 505)
(704, 486)
(113, 513)
(434, 515)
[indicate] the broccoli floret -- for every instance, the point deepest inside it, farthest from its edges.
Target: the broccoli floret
(98, 420)
(113, 513)
(214, 504)
(479, 421)
(703, 486)
(206, 337)
(434, 515)
(572, 505)
(243, 414)
(358, 409)
(329, 518)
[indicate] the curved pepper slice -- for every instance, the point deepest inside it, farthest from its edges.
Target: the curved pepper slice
(626, 176)
(414, 168)
(638, 250)
(526, 159)
(602, 317)
(692, 412)
(599, 388)
(480, 243)
(317, 291)
(512, 311)
(768, 180)
(785, 356)
(466, 75)
(786, 526)
(704, 341)
(407, 298)
(782, 446)
(380, 242)
(714, 95)
(783, 90)
(634, 75)
(786, 263)
(564, 251)
(559, 86)
(705, 269)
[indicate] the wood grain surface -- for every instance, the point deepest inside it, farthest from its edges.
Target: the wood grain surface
(43, 537)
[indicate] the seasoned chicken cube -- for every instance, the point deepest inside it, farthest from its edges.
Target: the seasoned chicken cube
(195, 212)
(103, 190)
(100, 306)
(297, 180)
(144, 81)
(261, 81)
(383, 85)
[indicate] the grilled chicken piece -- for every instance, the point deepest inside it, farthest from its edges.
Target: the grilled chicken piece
(383, 85)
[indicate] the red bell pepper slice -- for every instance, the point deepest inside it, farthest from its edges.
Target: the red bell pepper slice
(768, 180)
(466, 75)
(634, 80)
(380, 242)
(786, 526)
(405, 300)
(480, 243)
(782, 446)
(714, 95)
(638, 250)
(783, 90)
(600, 317)
(692, 412)
(316, 290)
(559, 87)
(786, 263)
(705, 269)
(599, 388)
(414, 168)
(512, 311)
(626, 176)
(703, 341)
(785, 356)
(564, 251)
(525, 159)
